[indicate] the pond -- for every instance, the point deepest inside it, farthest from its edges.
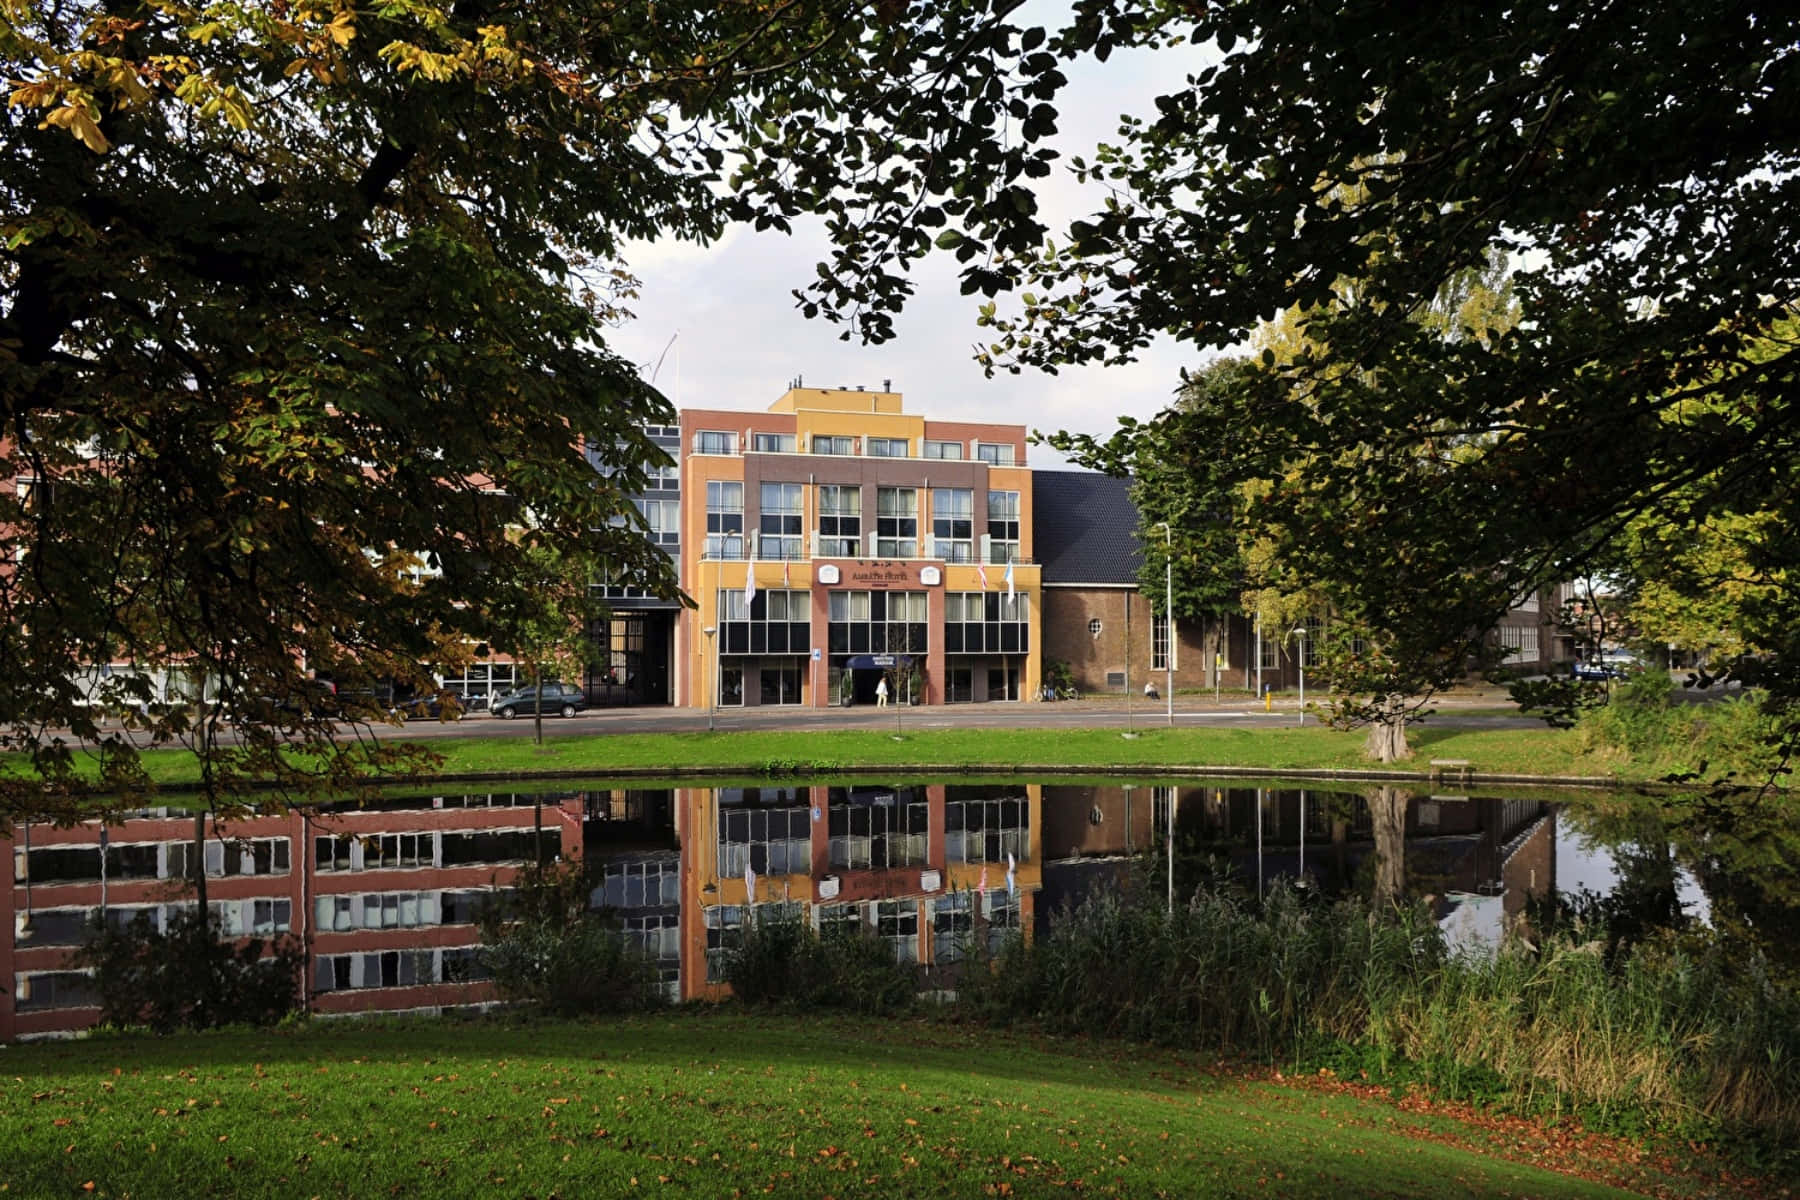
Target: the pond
(386, 894)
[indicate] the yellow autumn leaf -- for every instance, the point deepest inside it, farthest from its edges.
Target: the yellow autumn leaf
(78, 121)
(342, 28)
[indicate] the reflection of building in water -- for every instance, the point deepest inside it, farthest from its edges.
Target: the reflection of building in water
(1454, 847)
(633, 858)
(384, 896)
(923, 867)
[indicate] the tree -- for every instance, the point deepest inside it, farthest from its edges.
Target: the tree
(1637, 165)
(303, 306)
(1380, 676)
(546, 627)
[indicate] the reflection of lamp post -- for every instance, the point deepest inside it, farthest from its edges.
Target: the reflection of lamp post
(1299, 632)
(24, 925)
(712, 695)
(1169, 626)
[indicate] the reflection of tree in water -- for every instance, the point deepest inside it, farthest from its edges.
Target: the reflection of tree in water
(1387, 819)
(1744, 852)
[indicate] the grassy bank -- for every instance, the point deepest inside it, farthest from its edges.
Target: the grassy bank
(723, 1103)
(1532, 752)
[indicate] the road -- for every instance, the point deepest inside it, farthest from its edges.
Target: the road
(1189, 712)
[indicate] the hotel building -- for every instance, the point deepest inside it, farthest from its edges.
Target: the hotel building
(836, 541)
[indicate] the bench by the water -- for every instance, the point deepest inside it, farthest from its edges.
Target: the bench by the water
(1454, 768)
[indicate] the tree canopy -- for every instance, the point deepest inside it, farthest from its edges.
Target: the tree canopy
(1639, 166)
(303, 306)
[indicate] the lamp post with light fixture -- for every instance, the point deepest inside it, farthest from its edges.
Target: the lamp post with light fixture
(1168, 618)
(712, 694)
(1299, 632)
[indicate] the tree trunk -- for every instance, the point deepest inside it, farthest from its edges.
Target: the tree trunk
(1387, 813)
(1387, 740)
(537, 703)
(197, 855)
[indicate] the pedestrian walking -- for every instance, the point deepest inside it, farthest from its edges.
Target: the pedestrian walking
(881, 693)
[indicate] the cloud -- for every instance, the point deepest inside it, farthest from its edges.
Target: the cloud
(742, 339)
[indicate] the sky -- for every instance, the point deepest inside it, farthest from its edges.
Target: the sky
(741, 340)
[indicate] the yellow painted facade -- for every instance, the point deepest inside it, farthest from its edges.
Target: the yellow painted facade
(732, 462)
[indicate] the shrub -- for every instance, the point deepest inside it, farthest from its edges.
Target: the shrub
(543, 947)
(782, 961)
(186, 976)
(586, 968)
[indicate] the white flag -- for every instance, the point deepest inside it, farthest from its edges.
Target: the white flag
(1012, 885)
(1009, 581)
(749, 883)
(750, 580)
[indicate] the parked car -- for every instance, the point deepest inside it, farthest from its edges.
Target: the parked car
(1593, 669)
(564, 699)
(434, 707)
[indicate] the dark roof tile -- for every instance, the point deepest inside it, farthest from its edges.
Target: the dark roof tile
(1084, 527)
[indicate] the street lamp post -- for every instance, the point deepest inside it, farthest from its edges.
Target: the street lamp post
(1168, 619)
(1300, 634)
(712, 695)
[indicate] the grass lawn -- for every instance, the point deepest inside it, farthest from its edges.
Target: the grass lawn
(724, 1103)
(1535, 752)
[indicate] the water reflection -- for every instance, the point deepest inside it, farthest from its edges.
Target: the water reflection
(386, 895)
(1478, 860)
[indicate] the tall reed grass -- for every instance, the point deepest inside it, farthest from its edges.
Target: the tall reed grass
(1669, 1032)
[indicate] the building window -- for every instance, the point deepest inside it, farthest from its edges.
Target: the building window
(880, 447)
(770, 839)
(878, 623)
(731, 687)
(1521, 641)
(985, 829)
(482, 679)
(774, 621)
(997, 453)
(897, 923)
(896, 522)
(1269, 655)
(878, 832)
(662, 479)
(1003, 527)
(840, 521)
(779, 522)
(952, 925)
(724, 519)
(948, 450)
(987, 623)
(724, 936)
(713, 441)
(780, 682)
(649, 883)
(959, 685)
(838, 920)
(825, 444)
(1159, 642)
(1309, 656)
(774, 443)
(54, 989)
(664, 519)
(953, 524)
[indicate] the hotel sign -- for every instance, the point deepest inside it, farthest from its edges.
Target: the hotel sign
(880, 573)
